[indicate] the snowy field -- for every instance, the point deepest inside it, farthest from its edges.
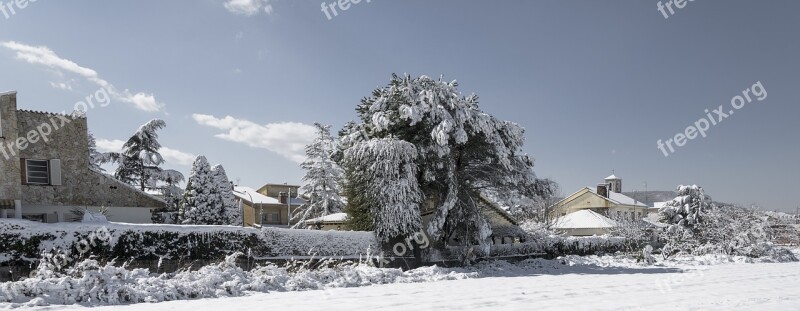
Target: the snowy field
(574, 283)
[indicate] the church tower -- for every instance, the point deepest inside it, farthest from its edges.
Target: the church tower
(614, 184)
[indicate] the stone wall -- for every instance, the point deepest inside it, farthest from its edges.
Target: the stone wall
(80, 186)
(10, 188)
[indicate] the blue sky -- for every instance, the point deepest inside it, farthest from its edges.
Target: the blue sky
(595, 83)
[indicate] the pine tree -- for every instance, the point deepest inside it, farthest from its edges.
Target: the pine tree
(139, 162)
(202, 203)
(384, 173)
(687, 209)
(322, 179)
(461, 151)
(233, 215)
(685, 214)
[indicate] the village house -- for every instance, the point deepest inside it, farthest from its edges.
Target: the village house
(598, 207)
(272, 205)
(44, 164)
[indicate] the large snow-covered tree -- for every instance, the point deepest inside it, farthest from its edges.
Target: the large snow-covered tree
(140, 160)
(384, 173)
(684, 214)
(322, 180)
(202, 203)
(233, 216)
(461, 151)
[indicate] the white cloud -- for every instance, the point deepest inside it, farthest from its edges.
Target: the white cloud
(105, 145)
(42, 55)
(170, 155)
(61, 85)
(287, 139)
(176, 156)
(248, 7)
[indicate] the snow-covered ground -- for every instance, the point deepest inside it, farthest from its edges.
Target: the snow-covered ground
(572, 283)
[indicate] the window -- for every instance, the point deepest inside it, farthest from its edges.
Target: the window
(37, 172)
(271, 218)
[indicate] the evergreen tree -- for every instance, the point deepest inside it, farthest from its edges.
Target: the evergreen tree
(384, 173)
(233, 216)
(687, 209)
(685, 215)
(202, 203)
(322, 179)
(139, 162)
(461, 151)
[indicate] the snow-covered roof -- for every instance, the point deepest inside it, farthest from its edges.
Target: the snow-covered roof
(659, 204)
(624, 199)
(619, 198)
(584, 219)
(332, 218)
(653, 222)
(612, 177)
(251, 195)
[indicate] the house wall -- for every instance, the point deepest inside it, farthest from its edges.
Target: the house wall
(10, 187)
(589, 200)
(136, 215)
(251, 213)
(585, 232)
(274, 191)
(585, 200)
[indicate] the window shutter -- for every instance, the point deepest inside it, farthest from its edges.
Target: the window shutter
(23, 169)
(55, 172)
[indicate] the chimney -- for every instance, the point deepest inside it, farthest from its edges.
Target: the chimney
(283, 197)
(602, 190)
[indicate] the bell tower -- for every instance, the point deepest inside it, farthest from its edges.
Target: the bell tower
(614, 183)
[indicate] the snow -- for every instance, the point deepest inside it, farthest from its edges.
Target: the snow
(612, 177)
(624, 199)
(251, 195)
(578, 283)
(338, 217)
(584, 219)
(276, 242)
(94, 217)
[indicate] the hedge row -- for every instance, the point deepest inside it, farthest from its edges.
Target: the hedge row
(24, 241)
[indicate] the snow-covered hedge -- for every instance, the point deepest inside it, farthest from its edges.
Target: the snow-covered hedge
(92, 283)
(24, 241)
(553, 246)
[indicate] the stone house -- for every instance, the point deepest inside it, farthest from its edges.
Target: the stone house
(44, 164)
